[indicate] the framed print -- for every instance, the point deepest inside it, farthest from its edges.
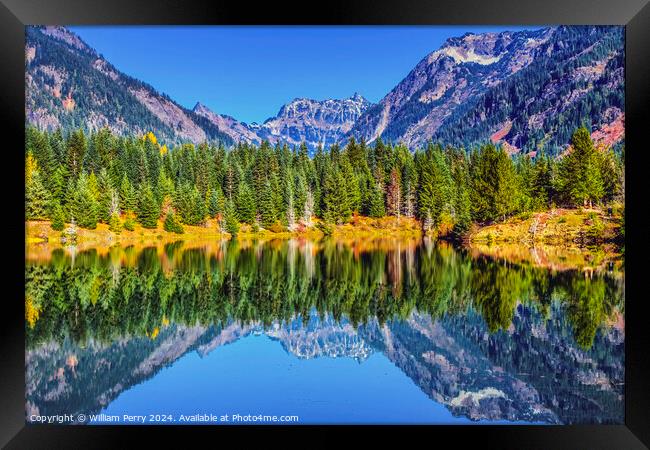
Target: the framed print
(384, 216)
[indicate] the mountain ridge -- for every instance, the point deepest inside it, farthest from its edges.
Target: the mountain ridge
(524, 90)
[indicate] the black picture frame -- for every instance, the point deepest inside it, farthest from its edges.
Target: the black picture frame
(635, 14)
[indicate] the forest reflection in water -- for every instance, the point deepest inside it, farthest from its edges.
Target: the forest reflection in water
(486, 338)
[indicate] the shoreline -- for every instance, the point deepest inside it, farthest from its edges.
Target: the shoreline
(559, 239)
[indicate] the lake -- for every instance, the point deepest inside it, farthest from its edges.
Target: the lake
(381, 331)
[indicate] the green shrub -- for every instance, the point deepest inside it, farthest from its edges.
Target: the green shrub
(129, 224)
(325, 227)
(172, 224)
(114, 223)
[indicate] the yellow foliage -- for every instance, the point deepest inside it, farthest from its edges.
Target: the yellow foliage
(163, 150)
(31, 166)
(151, 137)
(165, 321)
(154, 333)
(32, 312)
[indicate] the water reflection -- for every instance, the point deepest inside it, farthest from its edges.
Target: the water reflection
(487, 339)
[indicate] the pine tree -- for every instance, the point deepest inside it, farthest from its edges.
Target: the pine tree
(507, 184)
(147, 209)
(127, 195)
(542, 183)
(580, 176)
(57, 183)
(435, 193)
(105, 196)
(230, 218)
(218, 202)
(129, 223)
(75, 149)
(58, 218)
(172, 224)
(461, 196)
(197, 210)
(37, 198)
(84, 208)
(376, 208)
(245, 204)
(267, 210)
(114, 223)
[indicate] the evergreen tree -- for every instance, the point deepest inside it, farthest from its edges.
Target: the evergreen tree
(58, 218)
(104, 196)
(147, 208)
(461, 192)
(542, 182)
(114, 223)
(84, 207)
(127, 195)
(245, 204)
(376, 208)
(75, 150)
(57, 183)
(267, 206)
(230, 218)
(129, 223)
(37, 198)
(172, 224)
(435, 193)
(580, 175)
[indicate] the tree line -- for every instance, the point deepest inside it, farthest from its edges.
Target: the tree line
(103, 177)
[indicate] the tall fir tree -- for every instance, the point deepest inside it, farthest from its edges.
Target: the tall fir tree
(147, 207)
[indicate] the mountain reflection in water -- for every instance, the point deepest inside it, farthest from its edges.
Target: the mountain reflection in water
(485, 339)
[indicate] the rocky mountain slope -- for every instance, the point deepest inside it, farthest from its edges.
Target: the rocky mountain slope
(525, 90)
(68, 85)
(313, 122)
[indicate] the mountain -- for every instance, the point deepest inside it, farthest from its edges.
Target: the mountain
(236, 130)
(525, 90)
(68, 85)
(522, 89)
(314, 122)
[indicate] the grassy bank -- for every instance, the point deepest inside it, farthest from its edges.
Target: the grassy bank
(553, 227)
(41, 233)
(558, 239)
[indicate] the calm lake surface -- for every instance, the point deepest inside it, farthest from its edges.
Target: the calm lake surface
(332, 332)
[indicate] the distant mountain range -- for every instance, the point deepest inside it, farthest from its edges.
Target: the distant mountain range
(525, 90)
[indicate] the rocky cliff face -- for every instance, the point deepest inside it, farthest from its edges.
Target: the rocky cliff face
(445, 79)
(314, 122)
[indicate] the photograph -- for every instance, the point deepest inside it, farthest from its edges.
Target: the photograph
(324, 224)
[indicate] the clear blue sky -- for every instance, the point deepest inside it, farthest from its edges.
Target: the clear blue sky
(250, 72)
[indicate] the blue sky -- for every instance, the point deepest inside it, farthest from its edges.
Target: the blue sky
(250, 72)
